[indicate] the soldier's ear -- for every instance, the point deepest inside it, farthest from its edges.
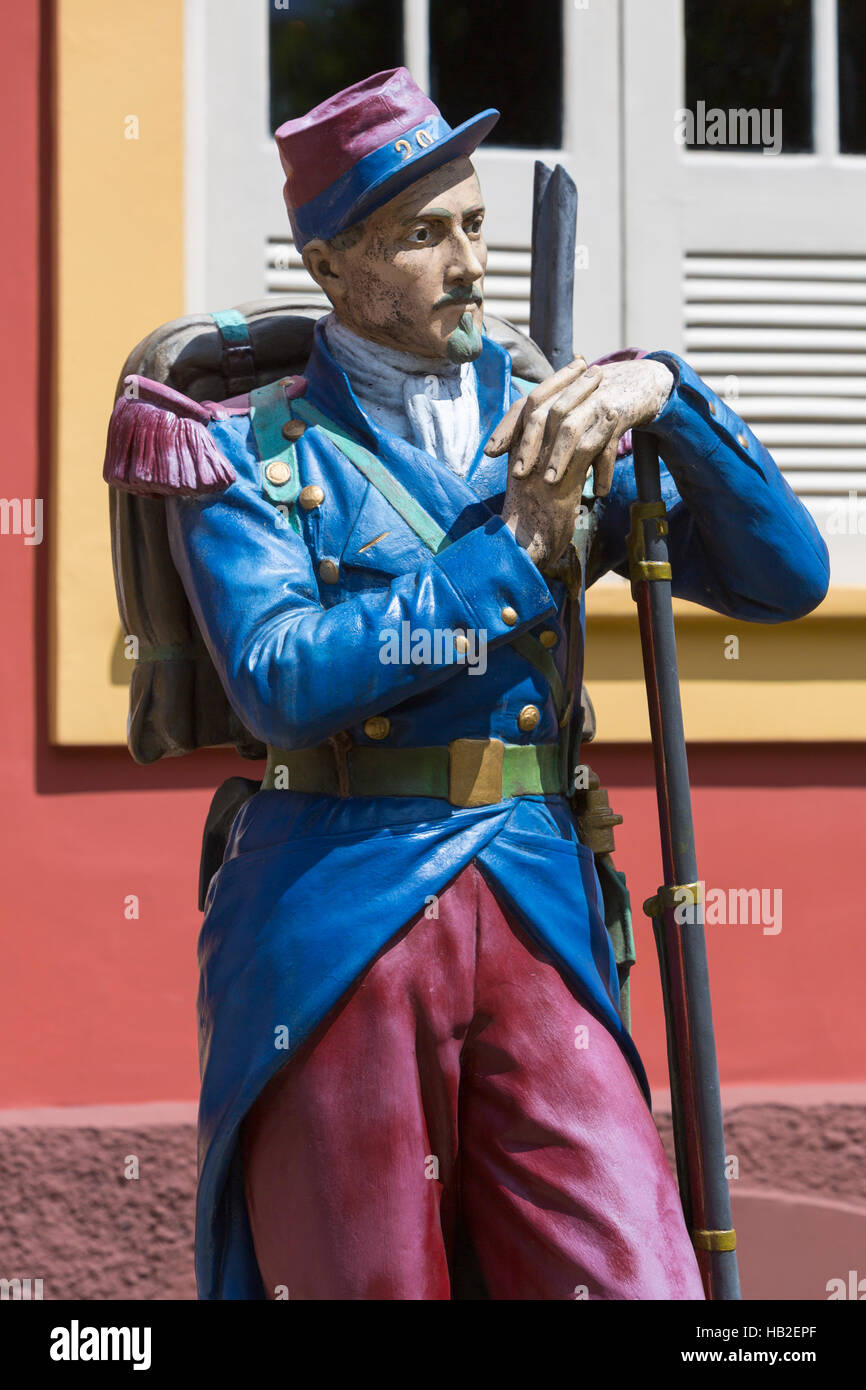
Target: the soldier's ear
(323, 264)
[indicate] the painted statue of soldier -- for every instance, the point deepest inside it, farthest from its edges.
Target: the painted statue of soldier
(410, 1029)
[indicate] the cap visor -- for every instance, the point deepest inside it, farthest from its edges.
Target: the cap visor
(462, 141)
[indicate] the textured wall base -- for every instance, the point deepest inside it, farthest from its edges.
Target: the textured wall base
(799, 1194)
(71, 1217)
(795, 1141)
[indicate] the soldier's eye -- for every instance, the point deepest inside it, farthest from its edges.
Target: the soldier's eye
(419, 236)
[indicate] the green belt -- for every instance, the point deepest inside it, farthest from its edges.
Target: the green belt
(466, 772)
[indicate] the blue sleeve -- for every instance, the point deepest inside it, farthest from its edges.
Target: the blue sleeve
(741, 542)
(296, 672)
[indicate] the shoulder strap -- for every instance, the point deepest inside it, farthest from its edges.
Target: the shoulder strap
(238, 359)
(420, 521)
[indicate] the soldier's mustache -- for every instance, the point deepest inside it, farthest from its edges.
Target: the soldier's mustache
(464, 295)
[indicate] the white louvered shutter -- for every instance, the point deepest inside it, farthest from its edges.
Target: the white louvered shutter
(783, 340)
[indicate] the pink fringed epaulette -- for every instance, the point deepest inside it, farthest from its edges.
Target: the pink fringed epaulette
(158, 443)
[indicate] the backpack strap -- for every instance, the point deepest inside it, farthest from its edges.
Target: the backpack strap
(419, 520)
(238, 359)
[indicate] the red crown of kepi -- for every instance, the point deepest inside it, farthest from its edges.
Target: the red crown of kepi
(355, 151)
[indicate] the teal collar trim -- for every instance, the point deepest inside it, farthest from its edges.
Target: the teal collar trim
(269, 411)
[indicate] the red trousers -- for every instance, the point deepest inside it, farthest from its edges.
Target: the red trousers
(461, 1076)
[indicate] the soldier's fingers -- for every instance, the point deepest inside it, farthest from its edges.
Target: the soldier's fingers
(549, 387)
(581, 440)
(501, 438)
(530, 451)
(505, 432)
(603, 466)
(583, 433)
(560, 409)
(536, 402)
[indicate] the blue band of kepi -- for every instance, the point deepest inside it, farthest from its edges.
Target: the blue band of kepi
(329, 212)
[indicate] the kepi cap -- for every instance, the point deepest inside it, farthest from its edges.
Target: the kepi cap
(355, 151)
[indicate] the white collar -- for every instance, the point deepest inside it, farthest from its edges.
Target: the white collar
(432, 404)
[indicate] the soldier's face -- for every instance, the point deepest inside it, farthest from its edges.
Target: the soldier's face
(413, 278)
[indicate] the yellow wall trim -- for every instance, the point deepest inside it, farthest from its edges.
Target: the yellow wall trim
(609, 599)
(120, 251)
(804, 680)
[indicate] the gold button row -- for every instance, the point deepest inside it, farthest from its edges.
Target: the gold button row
(280, 472)
(379, 725)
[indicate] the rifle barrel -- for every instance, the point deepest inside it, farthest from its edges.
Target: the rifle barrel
(695, 1094)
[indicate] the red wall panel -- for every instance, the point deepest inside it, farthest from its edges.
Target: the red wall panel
(98, 1008)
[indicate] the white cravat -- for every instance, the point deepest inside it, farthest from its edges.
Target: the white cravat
(432, 405)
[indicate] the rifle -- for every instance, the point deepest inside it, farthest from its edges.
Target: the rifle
(681, 947)
(677, 909)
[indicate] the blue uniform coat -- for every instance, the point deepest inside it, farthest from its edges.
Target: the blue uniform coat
(314, 886)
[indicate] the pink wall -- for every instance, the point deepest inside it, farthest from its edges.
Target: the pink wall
(788, 1007)
(96, 1008)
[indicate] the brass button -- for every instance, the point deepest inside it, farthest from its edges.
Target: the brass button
(377, 727)
(461, 643)
(712, 407)
(278, 473)
(548, 638)
(528, 718)
(742, 441)
(293, 429)
(329, 571)
(311, 497)
(509, 616)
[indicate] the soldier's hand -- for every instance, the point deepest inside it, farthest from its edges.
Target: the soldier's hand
(575, 420)
(541, 514)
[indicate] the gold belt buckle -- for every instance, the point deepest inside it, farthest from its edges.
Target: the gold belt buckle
(475, 771)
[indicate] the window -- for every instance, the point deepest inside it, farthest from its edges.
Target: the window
(752, 55)
(852, 64)
(501, 53)
(316, 49)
